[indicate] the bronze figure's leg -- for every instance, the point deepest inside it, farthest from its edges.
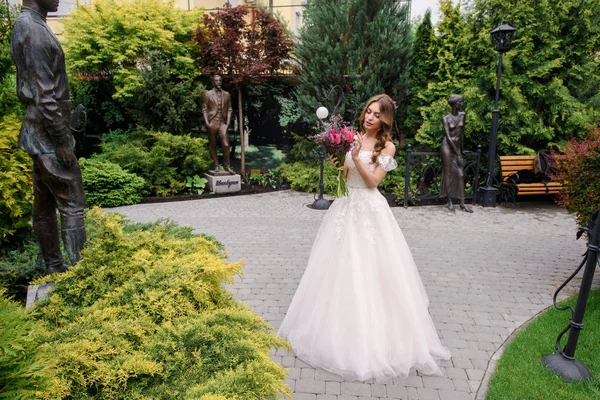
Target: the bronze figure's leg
(66, 188)
(450, 205)
(225, 146)
(45, 224)
(212, 144)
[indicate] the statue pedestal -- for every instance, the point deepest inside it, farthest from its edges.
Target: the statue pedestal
(37, 293)
(224, 183)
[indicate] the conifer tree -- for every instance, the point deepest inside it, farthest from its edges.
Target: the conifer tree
(424, 65)
(549, 83)
(450, 77)
(364, 46)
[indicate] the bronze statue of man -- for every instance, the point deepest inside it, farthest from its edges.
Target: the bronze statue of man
(451, 152)
(43, 88)
(216, 110)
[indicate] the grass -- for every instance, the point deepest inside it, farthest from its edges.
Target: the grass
(259, 157)
(520, 374)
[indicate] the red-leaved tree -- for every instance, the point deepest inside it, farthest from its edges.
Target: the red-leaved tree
(579, 173)
(243, 45)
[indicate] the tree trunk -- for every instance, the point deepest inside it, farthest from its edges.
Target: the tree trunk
(241, 128)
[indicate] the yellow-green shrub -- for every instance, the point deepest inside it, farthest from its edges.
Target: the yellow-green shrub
(144, 315)
(16, 192)
(25, 371)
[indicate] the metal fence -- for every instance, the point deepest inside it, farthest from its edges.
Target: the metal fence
(424, 175)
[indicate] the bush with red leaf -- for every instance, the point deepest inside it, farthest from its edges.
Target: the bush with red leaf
(579, 173)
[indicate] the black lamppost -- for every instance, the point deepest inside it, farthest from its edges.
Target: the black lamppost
(501, 39)
(322, 112)
(564, 363)
(320, 203)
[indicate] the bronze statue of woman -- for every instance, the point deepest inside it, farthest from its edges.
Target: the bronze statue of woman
(451, 153)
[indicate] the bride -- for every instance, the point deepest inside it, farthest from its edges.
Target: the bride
(360, 310)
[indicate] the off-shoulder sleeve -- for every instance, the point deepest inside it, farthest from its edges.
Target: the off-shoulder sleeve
(386, 162)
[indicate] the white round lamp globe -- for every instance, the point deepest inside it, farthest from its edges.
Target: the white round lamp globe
(322, 112)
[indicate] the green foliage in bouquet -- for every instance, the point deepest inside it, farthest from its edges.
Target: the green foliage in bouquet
(16, 193)
(162, 159)
(106, 184)
(25, 370)
(145, 315)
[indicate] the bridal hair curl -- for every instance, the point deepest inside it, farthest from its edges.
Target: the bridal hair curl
(386, 116)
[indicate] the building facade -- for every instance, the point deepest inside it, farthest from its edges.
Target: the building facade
(290, 11)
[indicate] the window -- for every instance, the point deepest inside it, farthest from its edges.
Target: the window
(66, 6)
(297, 23)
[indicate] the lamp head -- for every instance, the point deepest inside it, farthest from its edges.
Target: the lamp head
(502, 37)
(322, 112)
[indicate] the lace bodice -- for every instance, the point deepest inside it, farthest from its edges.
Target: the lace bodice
(385, 161)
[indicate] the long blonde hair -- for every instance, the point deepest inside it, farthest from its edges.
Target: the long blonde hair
(386, 116)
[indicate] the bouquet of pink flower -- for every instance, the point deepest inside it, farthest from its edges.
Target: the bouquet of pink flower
(337, 141)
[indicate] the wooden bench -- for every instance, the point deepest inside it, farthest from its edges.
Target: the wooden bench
(512, 164)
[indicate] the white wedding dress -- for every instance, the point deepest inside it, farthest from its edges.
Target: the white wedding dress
(360, 310)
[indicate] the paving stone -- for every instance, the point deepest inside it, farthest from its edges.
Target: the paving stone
(356, 389)
(326, 397)
(333, 388)
(307, 373)
(397, 391)
(310, 386)
(453, 395)
(428, 394)
(304, 396)
(437, 383)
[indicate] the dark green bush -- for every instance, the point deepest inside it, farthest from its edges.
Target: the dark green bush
(16, 190)
(303, 149)
(145, 315)
(25, 370)
(108, 185)
(162, 159)
(19, 266)
(304, 177)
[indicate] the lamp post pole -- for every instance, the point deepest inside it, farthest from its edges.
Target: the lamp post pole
(501, 38)
(322, 112)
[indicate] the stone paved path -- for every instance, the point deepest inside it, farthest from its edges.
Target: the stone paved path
(486, 274)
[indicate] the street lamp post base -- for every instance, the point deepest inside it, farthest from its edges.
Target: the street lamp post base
(568, 370)
(487, 196)
(321, 204)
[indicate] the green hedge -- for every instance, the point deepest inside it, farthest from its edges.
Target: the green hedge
(16, 189)
(162, 159)
(145, 315)
(106, 184)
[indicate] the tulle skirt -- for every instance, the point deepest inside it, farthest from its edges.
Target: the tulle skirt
(360, 310)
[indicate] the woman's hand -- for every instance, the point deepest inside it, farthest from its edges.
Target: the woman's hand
(334, 161)
(356, 146)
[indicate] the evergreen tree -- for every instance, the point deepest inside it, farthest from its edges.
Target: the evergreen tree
(424, 65)
(8, 94)
(451, 75)
(364, 46)
(550, 81)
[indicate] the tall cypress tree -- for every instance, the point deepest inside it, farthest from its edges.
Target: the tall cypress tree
(364, 46)
(451, 74)
(424, 64)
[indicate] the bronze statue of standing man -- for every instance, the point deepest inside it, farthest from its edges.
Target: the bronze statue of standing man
(451, 152)
(43, 88)
(217, 111)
